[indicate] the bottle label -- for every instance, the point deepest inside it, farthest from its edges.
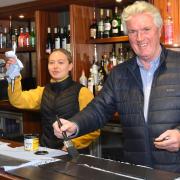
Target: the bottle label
(107, 26)
(100, 26)
(115, 31)
(114, 23)
(57, 43)
(93, 33)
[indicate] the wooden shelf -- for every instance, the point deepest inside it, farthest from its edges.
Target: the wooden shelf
(24, 49)
(172, 46)
(109, 40)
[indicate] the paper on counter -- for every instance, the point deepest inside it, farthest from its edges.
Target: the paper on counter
(20, 153)
(31, 163)
(34, 160)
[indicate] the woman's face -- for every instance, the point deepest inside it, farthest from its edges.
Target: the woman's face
(144, 36)
(58, 66)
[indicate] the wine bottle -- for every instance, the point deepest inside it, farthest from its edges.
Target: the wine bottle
(49, 46)
(107, 25)
(32, 37)
(63, 38)
(68, 41)
(115, 23)
(57, 38)
(93, 28)
(100, 25)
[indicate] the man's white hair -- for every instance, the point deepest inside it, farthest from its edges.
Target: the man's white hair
(141, 7)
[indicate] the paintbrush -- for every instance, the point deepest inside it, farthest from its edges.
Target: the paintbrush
(72, 151)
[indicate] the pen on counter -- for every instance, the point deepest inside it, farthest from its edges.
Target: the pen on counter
(72, 151)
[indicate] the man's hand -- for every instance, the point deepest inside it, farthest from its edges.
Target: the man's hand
(67, 126)
(169, 140)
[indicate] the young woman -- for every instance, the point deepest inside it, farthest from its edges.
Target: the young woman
(62, 96)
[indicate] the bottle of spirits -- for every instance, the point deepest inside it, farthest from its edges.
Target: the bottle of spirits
(32, 37)
(3, 37)
(168, 26)
(116, 24)
(100, 25)
(101, 75)
(21, 38)
(93, 28)
(107, 25)
(112, 60)
(68, 42)
(83, 79)
(26, 38)
(9, 44)
(49, 46)
(120, 57)
(91, 85)
(14, 37)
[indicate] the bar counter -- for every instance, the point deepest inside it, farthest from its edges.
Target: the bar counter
(84, 167)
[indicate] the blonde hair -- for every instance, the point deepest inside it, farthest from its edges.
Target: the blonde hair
(65, 52)
(141, 7)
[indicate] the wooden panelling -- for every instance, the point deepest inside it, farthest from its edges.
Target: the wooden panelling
(43, 19)
(82, 52)
(175, 4)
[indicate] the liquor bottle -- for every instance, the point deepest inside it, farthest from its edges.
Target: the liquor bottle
(68, 41)
(93, 28)
(49, 46)
(5, 38)
(26, 38)
(14, 37)
(91, 85)
(112, 60)
(115, 23)
(101, 75)
(168, 26)
(83, 79)
(107, 25)
(105, 61)
(21, 38)
(120, 57)
(1, 36)
(9, 38)
(32, 37)
(100, 25)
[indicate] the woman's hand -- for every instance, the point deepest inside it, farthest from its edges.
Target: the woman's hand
(9, 62)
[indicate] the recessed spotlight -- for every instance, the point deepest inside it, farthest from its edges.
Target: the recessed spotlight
(21, 16)
(118, 0)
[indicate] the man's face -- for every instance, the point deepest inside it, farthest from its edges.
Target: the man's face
(144, 36)
(58, 65)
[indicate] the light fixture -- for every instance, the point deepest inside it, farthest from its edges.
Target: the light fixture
(21, 16)
(118, 1)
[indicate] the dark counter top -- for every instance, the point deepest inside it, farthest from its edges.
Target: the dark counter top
(93, 168)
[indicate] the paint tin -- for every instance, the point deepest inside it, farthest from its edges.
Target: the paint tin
(31, 142)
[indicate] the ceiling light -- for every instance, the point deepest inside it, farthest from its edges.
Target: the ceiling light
(118, 0)
(21, 16)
